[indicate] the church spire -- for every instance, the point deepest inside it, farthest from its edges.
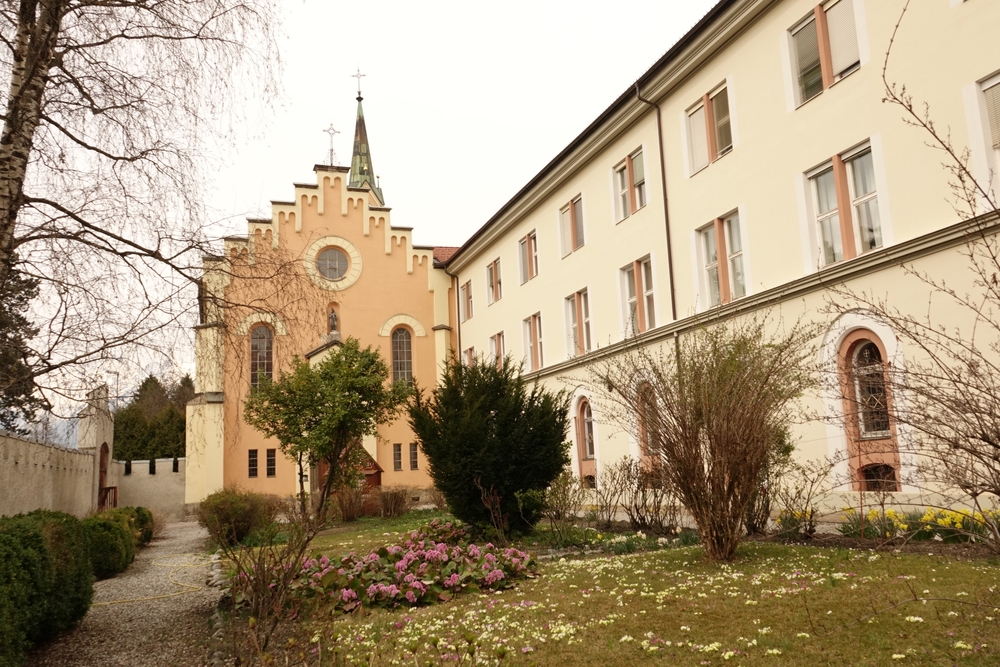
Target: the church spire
(362, 172)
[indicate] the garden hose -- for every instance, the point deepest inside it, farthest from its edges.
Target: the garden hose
(189, 588)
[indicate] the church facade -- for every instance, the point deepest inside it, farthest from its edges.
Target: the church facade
(749, 170)
(328, 264)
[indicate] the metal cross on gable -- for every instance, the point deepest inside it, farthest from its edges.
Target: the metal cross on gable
(358, 77)
(332, 132)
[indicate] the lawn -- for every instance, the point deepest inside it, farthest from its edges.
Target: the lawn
(776, 605)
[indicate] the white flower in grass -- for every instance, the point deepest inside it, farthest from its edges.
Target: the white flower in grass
(626, 638)
(773, 651)
(914, 619)
(962, 645)
(804, 635)
(685, 628)
(898, 656)
(728, 654)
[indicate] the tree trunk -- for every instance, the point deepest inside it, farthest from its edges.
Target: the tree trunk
(38, 26)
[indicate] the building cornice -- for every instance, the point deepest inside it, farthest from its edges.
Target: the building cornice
(899, 254)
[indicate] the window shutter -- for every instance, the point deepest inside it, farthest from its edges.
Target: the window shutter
(638, 170)
(843, 36)
(993, 110)
(807, 63)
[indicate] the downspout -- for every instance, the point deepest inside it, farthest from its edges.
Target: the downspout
(666, 213)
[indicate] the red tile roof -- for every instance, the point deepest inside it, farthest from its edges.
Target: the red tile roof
(443, 253)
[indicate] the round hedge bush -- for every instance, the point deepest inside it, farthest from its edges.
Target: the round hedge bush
(112, 545)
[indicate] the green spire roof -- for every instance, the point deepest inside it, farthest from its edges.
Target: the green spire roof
(362, 172)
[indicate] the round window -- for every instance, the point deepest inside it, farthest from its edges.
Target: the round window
(332, 263)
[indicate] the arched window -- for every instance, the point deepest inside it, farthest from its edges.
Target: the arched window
(869, 387)
(872, 449)
(261, 354)
(646, 414)
(402, 355)
(585, 441)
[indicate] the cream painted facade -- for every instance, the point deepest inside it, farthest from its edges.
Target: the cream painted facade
(623, 212)
(770, 179)
(270, 282)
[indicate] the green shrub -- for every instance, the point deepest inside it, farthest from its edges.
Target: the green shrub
(231, 515)
(489, 434)
(144, 524)
(45, 580)
(112, 545)
(72, 583)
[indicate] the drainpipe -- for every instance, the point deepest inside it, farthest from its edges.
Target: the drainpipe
(666, 214)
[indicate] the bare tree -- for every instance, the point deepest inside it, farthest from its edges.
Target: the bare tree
(108, 108)
(723, 399)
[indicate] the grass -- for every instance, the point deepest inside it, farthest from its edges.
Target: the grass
(776, 605)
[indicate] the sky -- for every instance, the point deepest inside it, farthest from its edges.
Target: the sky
(464, 101)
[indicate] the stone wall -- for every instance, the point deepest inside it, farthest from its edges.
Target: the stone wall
(162, 492)
(35, 475)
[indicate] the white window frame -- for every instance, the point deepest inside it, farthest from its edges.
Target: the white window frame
(849, 159)
(860, 36)
(577, 328)
(531, 329)
(497, 347)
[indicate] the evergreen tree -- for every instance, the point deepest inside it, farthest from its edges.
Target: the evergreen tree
(153, 423)
(19, 399)
(490, 434)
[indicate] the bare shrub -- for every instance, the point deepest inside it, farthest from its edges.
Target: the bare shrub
(261, 584)
(762, 502)
(611, 484)
(437, 499)
(159, 523)
(351, 502)
(718, 401)
(395, 501)
(648, 502)
(563, 502)
(802, 488)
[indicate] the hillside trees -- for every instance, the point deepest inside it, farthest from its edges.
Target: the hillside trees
(106, 108)
(152, 424)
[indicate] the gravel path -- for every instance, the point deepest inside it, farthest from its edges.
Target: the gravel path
(123, 628)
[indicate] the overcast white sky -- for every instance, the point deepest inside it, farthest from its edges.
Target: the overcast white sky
(464, 101)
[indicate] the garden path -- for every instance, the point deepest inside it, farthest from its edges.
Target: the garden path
(154, 614)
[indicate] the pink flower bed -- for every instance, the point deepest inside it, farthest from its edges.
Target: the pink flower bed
(432, 566)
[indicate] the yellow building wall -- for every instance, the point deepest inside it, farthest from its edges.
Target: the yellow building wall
(271, 279)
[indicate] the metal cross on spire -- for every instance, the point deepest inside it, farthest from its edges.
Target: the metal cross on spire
(358, 77)
(332, 132)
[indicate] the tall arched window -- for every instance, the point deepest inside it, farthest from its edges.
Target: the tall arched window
(402, 355)
(646, 414)
(261, 354)
(872, 449)
(585, 442)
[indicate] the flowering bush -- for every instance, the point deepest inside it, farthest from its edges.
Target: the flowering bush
(958, 526)
(430, 567)
(889, 523)
(796, 523)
